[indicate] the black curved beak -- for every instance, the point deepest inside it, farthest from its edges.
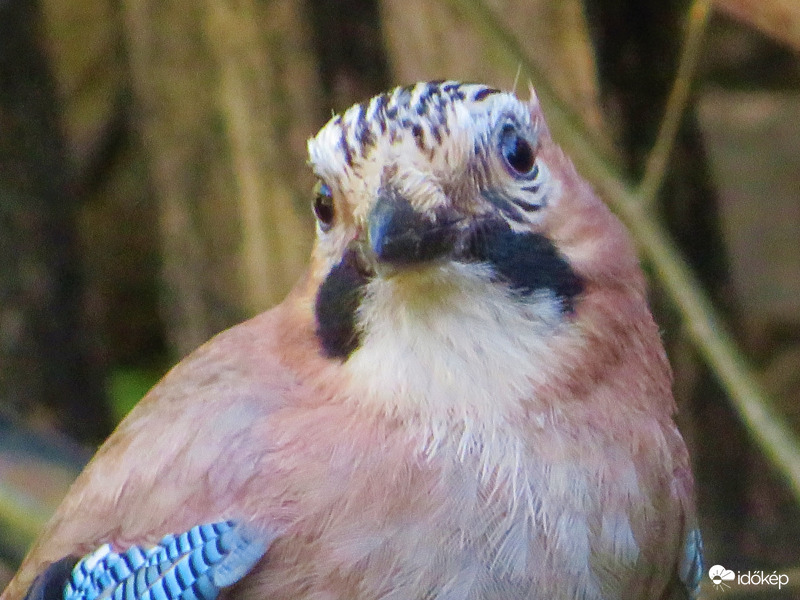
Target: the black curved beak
(401, 236)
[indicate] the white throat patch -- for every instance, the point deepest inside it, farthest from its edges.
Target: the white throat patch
(450, 345)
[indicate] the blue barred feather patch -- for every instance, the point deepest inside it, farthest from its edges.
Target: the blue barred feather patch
(193, 565)
(691, 566)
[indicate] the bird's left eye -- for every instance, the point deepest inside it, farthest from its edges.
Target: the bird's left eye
(323, 205)
(517, 152)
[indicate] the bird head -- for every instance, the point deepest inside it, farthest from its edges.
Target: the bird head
(458, 252)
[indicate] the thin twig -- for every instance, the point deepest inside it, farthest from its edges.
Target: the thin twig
(676, 103)
(705, 329)
(714, 343)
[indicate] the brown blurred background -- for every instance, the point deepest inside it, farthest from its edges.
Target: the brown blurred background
(153, 192)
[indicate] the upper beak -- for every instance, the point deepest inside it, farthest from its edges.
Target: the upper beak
(399, 236)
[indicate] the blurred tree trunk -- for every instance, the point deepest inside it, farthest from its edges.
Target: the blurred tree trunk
(117, 222)
(435, 40)
(350, 51)
(43, 351)
(227, 93)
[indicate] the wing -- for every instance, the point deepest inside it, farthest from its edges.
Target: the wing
(194, 565)
(687, 572)
(690, 569)
(191, 453)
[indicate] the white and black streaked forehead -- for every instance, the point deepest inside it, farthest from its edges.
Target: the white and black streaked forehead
(440, 124)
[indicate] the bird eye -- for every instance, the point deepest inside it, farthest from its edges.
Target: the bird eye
(323, 205)
(517, 151)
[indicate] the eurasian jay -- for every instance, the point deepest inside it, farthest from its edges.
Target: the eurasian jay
(465, 398)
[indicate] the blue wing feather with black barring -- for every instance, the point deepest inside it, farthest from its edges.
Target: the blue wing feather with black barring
(194, 565)
(691, 565)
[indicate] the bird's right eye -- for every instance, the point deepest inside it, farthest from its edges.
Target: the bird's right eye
(520, 158)
(323, 205)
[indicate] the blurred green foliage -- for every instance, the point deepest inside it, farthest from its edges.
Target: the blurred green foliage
(127, 385)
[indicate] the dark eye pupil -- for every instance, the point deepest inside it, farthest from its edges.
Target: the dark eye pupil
(323, 206)
(517, 151)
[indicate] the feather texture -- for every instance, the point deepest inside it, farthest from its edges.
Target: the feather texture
(465, 398)
(194, 565)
